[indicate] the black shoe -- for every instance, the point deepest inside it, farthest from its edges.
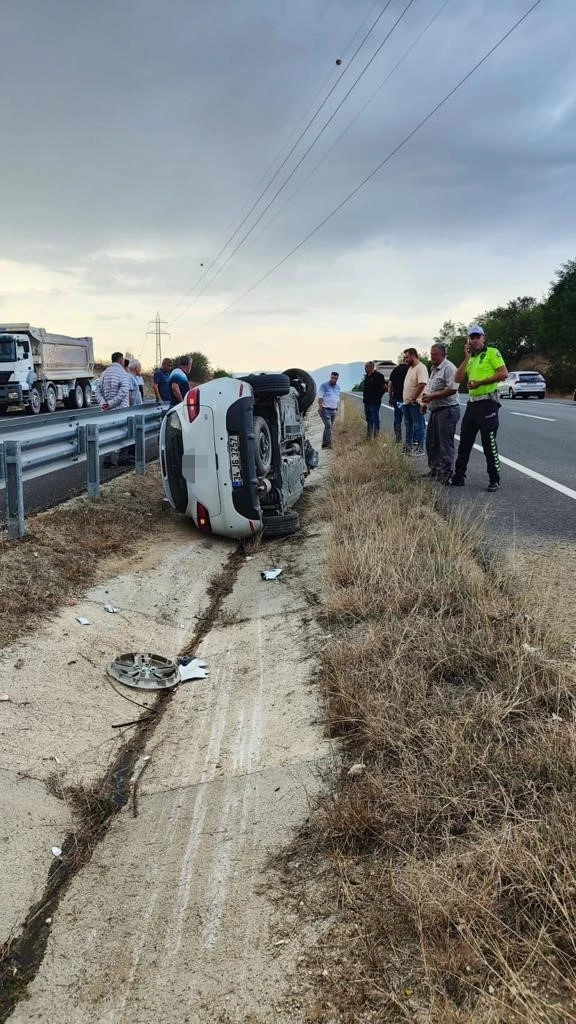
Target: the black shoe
(494, 485)
(457, 481)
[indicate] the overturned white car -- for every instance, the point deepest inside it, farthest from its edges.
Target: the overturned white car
(234, 454)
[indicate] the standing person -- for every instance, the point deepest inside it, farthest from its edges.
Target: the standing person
(414, 383)
(441, 397)
(395, 392)
(160, 384)
(134, 372)
(140, 382)
(328, 402)
(373, 390)
(178, 380)
(484, 368)
(113, 391)
(113, 388)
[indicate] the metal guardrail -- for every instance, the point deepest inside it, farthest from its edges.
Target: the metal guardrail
(57, 445)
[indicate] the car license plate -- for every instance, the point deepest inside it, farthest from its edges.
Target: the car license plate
(235, 460)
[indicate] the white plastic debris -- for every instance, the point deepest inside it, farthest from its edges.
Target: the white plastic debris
(4, 696)
(82, 620)
(356, 769)
(556, 718)
(531, 650)
(195, 669)
(110, 608)
(270, 574)
(57, 852)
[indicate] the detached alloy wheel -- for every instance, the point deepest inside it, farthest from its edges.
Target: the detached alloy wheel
(281, 526)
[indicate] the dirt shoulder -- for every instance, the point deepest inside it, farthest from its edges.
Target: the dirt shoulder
(173, 913)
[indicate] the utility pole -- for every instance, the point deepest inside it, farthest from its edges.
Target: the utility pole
(157, 331)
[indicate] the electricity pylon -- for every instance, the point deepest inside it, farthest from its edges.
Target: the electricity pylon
(157, 324)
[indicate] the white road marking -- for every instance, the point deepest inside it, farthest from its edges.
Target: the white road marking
(530, 416)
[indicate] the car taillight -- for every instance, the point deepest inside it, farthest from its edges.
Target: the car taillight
(193, 403)
(203, 519)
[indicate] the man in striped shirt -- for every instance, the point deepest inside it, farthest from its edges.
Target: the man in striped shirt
(113, 388)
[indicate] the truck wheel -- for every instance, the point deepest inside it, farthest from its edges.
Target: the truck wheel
(305, 385)
(87, 396)
(35, 401)
(77, 397)
(262, 445)
(281, 526)
(268, 385)
(50, 401)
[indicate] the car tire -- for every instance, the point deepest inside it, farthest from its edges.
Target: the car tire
(262, 446)
(511, 393)
(281, 526)
(541, 396)
(305, 385)
(268, 385)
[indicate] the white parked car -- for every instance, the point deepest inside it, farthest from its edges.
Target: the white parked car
(234, 455)
(523, 384)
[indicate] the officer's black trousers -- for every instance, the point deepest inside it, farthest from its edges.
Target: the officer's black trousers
(480, 417)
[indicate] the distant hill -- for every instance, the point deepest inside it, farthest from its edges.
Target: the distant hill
(350, 373)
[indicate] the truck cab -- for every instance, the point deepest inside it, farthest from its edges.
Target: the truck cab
(38, 370)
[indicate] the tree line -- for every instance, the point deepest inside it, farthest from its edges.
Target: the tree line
(536, 335)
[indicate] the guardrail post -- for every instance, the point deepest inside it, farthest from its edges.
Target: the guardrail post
(2, 463)
(14, 490)
(92, 461)
(81, 439)
(140, 438)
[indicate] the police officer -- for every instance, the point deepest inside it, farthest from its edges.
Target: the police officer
(483, 368)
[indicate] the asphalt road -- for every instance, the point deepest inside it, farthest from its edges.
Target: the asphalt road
(536, 502)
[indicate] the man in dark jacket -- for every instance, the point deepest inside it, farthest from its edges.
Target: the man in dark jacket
(395, 390)
(373, 389)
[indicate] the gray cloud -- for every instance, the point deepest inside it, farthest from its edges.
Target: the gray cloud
(148, 127)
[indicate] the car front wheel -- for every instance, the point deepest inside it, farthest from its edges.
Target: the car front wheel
(262, 445)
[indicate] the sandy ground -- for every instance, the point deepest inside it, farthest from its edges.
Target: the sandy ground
(174, 918)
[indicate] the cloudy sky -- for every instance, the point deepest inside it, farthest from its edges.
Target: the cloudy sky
(137, 134)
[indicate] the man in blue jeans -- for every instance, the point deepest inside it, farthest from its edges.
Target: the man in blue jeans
(373, 390)
(414, 383)
(328, 402)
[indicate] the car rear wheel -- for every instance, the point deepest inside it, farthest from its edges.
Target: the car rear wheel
(268, 385)
(281, 526)
(262, 445)
(305, 385)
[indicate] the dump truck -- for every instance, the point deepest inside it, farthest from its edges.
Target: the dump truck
(38, 370)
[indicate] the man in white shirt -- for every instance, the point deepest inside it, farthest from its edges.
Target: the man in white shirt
(328, 402)
(414, 383)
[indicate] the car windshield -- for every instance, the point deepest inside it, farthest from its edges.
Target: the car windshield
(530, 378)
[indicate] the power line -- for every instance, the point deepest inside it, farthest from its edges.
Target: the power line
(284, 162)
(353, 120)
(299, 162)
(379, 167)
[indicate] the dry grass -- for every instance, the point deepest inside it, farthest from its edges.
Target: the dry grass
(455, 846)
(61, 552)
